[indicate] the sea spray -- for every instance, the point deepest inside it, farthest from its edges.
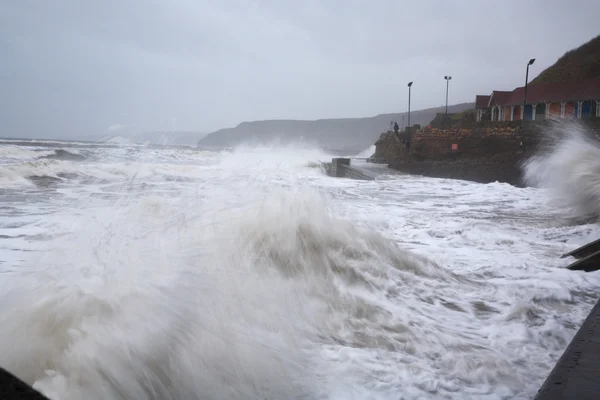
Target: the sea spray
(568, 164)
(133, 314)
(8, 153)
(161, 303)
(366, 153)
(184, 277)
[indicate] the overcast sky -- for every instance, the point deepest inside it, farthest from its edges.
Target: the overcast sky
(74, 67)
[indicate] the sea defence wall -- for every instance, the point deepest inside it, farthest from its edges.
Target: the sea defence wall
(482, 152)
(341, 168)
(485, 153)
(575, 375)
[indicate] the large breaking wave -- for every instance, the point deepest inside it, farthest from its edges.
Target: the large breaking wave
(245, 283)
(157, 304)
(568, 164)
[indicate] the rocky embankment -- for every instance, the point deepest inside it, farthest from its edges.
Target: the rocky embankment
(480, 153)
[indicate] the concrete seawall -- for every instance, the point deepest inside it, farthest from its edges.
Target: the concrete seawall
(576, 375)
(501, 168)
(482, 152)
(341, 168)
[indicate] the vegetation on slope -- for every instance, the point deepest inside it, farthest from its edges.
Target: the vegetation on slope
(578, 64)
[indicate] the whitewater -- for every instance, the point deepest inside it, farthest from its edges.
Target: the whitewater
(130, 272)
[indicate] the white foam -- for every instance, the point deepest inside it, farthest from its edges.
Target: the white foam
(21, 153)
(259, 277)
(569, 165)
(366, 153)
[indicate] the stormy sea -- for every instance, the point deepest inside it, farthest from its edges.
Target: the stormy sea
(133, 272)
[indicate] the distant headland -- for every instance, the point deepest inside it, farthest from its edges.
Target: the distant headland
(338, 135)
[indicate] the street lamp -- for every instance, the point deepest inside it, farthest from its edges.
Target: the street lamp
(525, 95)
(447, 78)
(409, 85)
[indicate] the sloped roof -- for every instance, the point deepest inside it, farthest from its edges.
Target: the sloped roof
(481, 101)
(498, 98)
(555, 92)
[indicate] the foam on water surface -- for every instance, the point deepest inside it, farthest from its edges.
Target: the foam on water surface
(249, 274)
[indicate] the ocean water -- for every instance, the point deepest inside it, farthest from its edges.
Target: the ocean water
(143, 273)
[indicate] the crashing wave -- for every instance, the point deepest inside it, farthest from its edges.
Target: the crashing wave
(568, 164)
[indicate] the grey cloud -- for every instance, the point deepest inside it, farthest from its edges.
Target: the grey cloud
(74, 68)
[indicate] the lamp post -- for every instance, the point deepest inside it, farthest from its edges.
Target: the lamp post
(525, 94)
(409, 86)
(447, 78)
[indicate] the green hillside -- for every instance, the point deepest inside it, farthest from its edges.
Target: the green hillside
(581, 63)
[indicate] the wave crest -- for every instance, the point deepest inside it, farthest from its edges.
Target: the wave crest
(568, 164)
(161, 304)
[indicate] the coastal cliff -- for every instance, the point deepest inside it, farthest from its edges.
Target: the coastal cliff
(338, 136)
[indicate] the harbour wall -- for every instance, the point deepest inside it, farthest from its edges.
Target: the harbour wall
(483, 152)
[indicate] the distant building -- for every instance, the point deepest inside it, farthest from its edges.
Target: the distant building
(579, 100)
(482, 107)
